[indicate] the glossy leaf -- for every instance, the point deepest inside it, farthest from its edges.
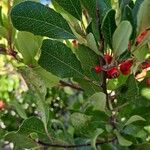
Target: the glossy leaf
(40, 20)
(121, 38)
(60, 60)
(71, 6)
(109, 26)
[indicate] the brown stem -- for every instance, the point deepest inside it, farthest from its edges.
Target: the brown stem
(74, 146)
(73, 86)
(101, 59)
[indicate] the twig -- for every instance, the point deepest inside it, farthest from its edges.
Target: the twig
(74, 146)
(73, 86)
(101, 59)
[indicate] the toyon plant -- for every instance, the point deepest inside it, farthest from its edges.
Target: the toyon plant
(96, 55)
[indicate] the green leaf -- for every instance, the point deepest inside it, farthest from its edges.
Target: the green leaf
(109, 26)
(40, 20)
(127, 15)
(91, 43)
(143, 18)
(60, 60)
(141, 52)
(33, 125)
(122, 141)
(96, 133)
(72, 21)
(104, 6)
(86, 84)
(49, 79)
(79, 121)
(121, 37)
(88, 60)
(134, 119)
(136, 9)
(90, 6)
(71, 6)
(128, 92)
(98, 101)
(18, 108)
(28, 45)
(20, 141)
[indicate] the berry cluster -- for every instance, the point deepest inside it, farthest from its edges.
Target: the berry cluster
(114, 72)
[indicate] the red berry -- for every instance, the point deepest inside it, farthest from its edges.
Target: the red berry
(125, 67)
(98, 68)
(148, 82)
(2, 104)
(108, 58)
(113, 73)
(126, 72)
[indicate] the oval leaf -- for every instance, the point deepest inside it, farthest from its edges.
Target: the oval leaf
(121, 37)
(40, 20)
(60, 60)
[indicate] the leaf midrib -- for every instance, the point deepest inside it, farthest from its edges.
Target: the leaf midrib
(64, 63)
(45, 22)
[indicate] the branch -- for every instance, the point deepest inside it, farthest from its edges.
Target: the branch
(74, 146)
(73, 86)
(101, 59)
